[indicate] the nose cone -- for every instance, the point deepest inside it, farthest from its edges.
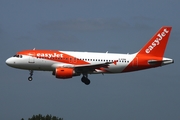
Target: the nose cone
(9, 62)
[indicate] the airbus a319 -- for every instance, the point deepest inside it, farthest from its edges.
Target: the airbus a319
(67, 64)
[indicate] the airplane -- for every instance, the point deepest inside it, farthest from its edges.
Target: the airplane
(67, 64)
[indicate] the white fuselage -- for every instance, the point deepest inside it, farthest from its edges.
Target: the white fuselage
(92, 58)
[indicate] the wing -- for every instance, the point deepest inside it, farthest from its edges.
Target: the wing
(90, 68)
(86, 68)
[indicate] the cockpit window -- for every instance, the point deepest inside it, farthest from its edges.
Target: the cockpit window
(18, 56)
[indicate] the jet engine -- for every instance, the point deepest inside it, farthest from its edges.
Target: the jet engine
(63, 73)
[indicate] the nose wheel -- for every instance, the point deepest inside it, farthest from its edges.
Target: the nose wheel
(31, 74)
(85, 80)
(30, 78)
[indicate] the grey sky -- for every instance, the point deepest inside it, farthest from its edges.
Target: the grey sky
(96, 25)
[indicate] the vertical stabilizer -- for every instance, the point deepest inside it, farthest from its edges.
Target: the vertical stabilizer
(157, 44)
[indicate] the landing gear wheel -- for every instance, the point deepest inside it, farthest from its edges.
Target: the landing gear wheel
(30, 78)
(31, 74)
(85, 80)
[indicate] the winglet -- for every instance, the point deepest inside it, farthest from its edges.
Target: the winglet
(157, 44)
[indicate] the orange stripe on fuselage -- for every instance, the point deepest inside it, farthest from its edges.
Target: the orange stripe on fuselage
(53, 55)
(140, 62)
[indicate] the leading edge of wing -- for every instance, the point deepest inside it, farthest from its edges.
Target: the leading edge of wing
(85, 66)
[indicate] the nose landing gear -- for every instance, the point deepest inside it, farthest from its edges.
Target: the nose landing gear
(31, 74)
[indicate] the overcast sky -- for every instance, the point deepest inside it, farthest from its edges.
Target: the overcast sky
(120, 26)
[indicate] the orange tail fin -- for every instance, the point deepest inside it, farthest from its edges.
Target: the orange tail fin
(157, 44)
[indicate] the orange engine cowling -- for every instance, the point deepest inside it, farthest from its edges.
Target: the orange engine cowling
(64, 73)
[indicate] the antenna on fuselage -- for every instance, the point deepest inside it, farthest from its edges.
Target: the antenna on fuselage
(34, 48)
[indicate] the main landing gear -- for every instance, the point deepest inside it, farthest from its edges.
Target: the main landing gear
(85, 80)
(31, 74)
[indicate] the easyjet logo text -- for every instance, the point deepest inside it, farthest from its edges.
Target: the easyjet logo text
(49, 55)
(157, 41)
